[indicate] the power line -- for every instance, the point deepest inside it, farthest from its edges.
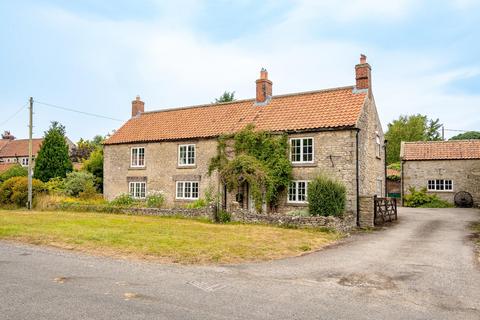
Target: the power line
(13, 115)
(77, 111)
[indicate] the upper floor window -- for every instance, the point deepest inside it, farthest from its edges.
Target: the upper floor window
(24, 162)
(297, 192)
(301, 150)
(187, 190)
(378, 145)
(440, 185)
(138, 157)
(186, 155)
(138, 190)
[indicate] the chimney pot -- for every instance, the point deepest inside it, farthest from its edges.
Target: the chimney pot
(363, 59)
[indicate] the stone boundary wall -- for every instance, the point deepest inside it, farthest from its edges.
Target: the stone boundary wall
(343, 224)
(161, 212)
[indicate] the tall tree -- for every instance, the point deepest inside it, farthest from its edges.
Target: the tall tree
(410, 128)
(94, 165)
(226, 97)
(53, 159)
(84, 148)
(466, 135)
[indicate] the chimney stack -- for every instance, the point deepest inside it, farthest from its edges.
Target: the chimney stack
(363, 74)
(264, 87)
(138, 106)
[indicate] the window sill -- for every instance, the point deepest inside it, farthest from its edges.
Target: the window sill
(190, 166)
(137, 168)
(441, 191)
(185, 200)
(304, 164)
(297, 204)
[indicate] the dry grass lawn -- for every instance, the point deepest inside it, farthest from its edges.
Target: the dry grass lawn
(176, 240)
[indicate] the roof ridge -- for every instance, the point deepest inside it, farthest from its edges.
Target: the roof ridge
(441, 141)
(246, 100)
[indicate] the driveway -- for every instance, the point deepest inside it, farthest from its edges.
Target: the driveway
(423, 267)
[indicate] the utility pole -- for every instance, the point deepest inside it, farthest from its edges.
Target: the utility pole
(30, 151)
(443, 132)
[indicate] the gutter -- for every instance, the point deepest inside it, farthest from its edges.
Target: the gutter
(357, 176)
(385, 144)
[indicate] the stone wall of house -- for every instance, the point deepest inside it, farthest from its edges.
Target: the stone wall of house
(465, 176)
(161, 169)
(372, 167)
(334, 156)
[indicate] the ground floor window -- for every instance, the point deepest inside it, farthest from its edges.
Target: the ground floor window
(138, 190)
(297, 192)
(440, 185)
(187, 190)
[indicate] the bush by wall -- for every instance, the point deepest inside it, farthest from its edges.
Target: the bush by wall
(326, 197)
(155, 199)
(15, 171)
(422, 199)
(14, 191)
(78, 182)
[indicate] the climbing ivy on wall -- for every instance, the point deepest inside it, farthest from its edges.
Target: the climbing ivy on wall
(259, 158)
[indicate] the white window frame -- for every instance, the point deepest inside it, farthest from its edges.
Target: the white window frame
(137, 189)
(24, 162)
(187, 146)
(137, 165)
(296, 182)
(378, 149)
(301, 150)
(438, 184)
(183, 188)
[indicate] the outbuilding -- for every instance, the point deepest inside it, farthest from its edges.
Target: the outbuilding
(449, 169)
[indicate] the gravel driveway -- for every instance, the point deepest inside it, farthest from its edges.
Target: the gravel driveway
(423, 267)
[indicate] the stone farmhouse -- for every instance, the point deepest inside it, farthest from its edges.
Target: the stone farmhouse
(334, 131)
(443, 167)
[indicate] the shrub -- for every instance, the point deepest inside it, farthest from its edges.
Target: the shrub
(15, 190)
(55, 186)
(15, 171)
(123, 200)
(199, 203)
(422, 199)
(222, 216)
(326, 197)
(155, 199)
(77, 182)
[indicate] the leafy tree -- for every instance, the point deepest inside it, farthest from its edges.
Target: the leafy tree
(94, 165)
(15, 171)
(84, 148)
(467, 135)
(410, 128)
(53, 159)
(226, 97)
(77, 182)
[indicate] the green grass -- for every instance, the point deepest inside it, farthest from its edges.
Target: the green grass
(176, 240)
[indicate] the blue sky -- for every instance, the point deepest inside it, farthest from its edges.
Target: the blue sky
(96, 56)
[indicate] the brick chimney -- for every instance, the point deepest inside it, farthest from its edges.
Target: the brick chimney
(8, 136)
(264, 87)
(138, 106)
(363, 74)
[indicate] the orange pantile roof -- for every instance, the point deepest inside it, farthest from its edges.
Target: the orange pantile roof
(5, 166)
(3, 143)
(393, 172)
(332, 108)
(441, 150)
(19, 148)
